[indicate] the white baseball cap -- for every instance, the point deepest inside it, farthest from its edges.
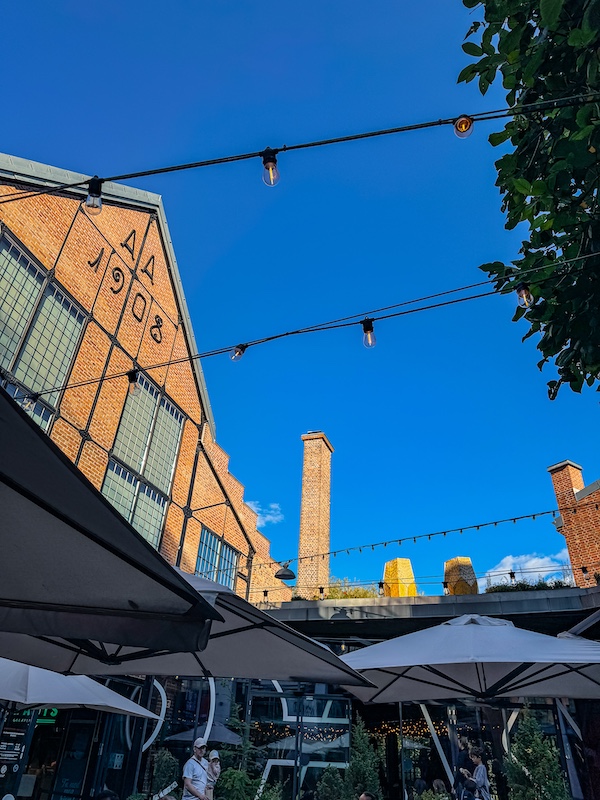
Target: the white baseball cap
(200, 742)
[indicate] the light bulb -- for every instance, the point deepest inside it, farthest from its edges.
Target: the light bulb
(463, 126)
(526, 299)
(270, 173)
(134, 387)
(238, 351)
(29, 402)
(369, 339)
(93, 202)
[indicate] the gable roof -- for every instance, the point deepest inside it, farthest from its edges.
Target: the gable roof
(23, 170)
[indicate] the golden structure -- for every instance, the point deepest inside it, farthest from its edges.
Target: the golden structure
(399, 579)
(459, 576)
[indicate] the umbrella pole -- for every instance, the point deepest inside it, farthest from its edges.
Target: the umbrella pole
(197, 714)
(402, 775)
(299, 713)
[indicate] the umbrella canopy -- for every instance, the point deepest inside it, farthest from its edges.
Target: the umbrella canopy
(22, 686)
(247, 643)
(218, 733)
(72, 568)
(477, 657)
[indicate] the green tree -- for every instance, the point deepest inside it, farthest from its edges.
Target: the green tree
(340, 588)
(362, 773)
(165, 770)
(533, 768)
(546, 51)
(331, 785)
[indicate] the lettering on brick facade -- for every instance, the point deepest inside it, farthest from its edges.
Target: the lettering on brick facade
(155, 330)
(129, 244)
(138, 309)
(96, 262)
(119, 279)
(149, 269)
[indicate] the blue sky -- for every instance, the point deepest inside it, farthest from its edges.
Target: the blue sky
(446, 422)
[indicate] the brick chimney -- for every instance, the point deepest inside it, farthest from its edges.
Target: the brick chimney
(579, 521)
(314, 515)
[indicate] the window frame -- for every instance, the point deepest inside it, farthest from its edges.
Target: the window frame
(216, 570)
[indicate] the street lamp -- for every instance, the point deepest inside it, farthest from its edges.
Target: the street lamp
(285, 573)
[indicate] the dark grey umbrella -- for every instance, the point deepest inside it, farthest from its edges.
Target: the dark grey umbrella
(72, 570)
(218, 733)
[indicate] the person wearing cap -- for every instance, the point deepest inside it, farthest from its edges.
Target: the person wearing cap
(213, 772)
(195, 773)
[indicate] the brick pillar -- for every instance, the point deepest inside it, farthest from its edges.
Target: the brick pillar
(314, 515)
(579, 520)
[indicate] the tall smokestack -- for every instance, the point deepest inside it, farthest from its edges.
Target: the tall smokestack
(314, 515)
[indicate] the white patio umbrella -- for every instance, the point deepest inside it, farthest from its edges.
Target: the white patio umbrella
(22, 686)
(477, 657)
(247, 643)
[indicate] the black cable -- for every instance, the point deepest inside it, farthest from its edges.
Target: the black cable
(484, 116)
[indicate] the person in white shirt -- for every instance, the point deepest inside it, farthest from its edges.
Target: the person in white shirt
(195, 773)
(214, 770)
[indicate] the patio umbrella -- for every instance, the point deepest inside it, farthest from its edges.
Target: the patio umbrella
(245, 643)
(477, 657)
(218, 733)
(22, 686)
(73, 569)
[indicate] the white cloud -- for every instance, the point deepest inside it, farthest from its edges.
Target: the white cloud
(272, 514)
(531, 566)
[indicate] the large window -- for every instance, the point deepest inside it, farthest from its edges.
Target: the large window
(216, 560)
(40, 329)
(138, 478)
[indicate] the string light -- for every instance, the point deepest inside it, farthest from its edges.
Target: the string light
(369, 339)
(342, 322)
(461, 122)
(412, 538)
(525, 298)
(270, 174)
(93, 202)
(463, 126)
(238, 351)
(132, 377)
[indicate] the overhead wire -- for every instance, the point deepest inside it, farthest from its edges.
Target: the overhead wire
(483, 116)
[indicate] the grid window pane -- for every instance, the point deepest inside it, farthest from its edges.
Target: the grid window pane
(163, 449)
(50, 344)
(36, 410)
(149, 514)
(20, 286)
(136, 423)
(216, 560)
(120, 488)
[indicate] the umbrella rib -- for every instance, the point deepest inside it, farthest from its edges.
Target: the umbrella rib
(566, 671)
(447, 678)
(506, 679)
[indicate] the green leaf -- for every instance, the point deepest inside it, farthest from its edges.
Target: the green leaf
(497, 138)
(467, 74)
(550, 12)
(472, 49)
(583, 133)
(591, 18)
(539, 188)
(484, 84)
(522, 185)
(581, 38)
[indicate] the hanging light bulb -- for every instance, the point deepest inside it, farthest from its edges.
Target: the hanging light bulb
(270, 174)
(134, 387)
(526, 299)
(513, 577)
(463, 126)
(93, 202)
(29, 402)
(369, 339)
(238, 351)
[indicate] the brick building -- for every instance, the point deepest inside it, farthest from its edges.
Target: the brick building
(87, 296)
(579, 520)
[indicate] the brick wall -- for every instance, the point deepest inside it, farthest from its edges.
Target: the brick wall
(115, 267)
(579, 522)
(313, 568)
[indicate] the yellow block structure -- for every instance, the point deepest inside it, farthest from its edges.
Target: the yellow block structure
(399, 579)
(459, 576)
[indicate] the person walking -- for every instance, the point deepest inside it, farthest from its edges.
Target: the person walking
(195, 773)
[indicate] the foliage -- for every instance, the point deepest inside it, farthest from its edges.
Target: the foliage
(533, 769)
(331, 785)
(138, 796)
(429, 794)
(272, 791)
(165, 770)
(548, 50)
(528, 586)
(236, 784)
(341, 588)
(362, 774)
